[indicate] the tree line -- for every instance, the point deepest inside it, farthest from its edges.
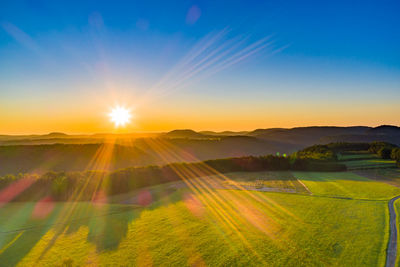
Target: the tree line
(385, 150)
(330, 151)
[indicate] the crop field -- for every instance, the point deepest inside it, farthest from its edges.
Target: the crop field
(357, 161)
(356, 155)
(275, 181)
(370, 164)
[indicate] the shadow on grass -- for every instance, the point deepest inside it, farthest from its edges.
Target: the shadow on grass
(20, 242)
(108, 224)
(107, 232)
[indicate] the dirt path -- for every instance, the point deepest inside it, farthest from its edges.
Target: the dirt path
(392, 245)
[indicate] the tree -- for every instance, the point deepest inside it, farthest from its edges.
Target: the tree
(395, 154)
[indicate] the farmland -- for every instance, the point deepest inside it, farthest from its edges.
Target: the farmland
(278, 181)
(363, 160)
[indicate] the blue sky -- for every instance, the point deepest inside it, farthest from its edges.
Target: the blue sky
(337, 54)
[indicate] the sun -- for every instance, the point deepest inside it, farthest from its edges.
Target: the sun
(120, 116)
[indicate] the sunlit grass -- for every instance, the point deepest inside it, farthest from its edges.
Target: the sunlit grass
(172, 232)
(370, 163)
(356, 155)
(278, 181)
(346, 184)
(358, 160)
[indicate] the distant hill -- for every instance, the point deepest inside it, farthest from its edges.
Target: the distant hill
(299, 136)
(224, 133)
(62, 138)
(305, 136)
(186, 133)
(65, 157)
(36, 136)
(211, 148)
(63, 152)
(385, 133)
(269, 131)
(141, 152)
(56, 135)
(385, 130)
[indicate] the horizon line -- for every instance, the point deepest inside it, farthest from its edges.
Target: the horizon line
(184, 129)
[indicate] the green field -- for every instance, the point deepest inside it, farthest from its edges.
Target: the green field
(356, 155)
(370, 164)
(347, 185)
(359, 160)
(388, 175)
(279, 181)
(343, 223)
(285, 229)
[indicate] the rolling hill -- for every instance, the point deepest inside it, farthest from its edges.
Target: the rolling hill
(63, 152)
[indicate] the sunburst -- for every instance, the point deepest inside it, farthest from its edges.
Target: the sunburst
(120, 116)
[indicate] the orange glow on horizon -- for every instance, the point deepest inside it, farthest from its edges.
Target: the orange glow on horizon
(184, 114)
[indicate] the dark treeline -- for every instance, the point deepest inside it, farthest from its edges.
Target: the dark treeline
(330, 151)
(385, 150)
(81, 185)
(395, 154)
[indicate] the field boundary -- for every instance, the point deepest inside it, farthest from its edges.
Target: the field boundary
(305, 187)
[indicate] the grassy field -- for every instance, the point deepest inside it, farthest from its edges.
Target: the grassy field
(343, 223)
(346, 184)
(274, 180)
(285, 229)
(359, 160)
(356, 155)
(389, 175)
(370, 164)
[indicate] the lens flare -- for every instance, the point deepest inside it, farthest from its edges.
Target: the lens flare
(120, 116)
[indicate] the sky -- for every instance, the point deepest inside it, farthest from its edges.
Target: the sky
(203, 65)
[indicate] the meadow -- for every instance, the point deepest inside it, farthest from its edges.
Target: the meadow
(359, 160)
(209, 218)
(346, 185)
(279, 181)
(370, 164)
(344, 222)
(186, 229)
